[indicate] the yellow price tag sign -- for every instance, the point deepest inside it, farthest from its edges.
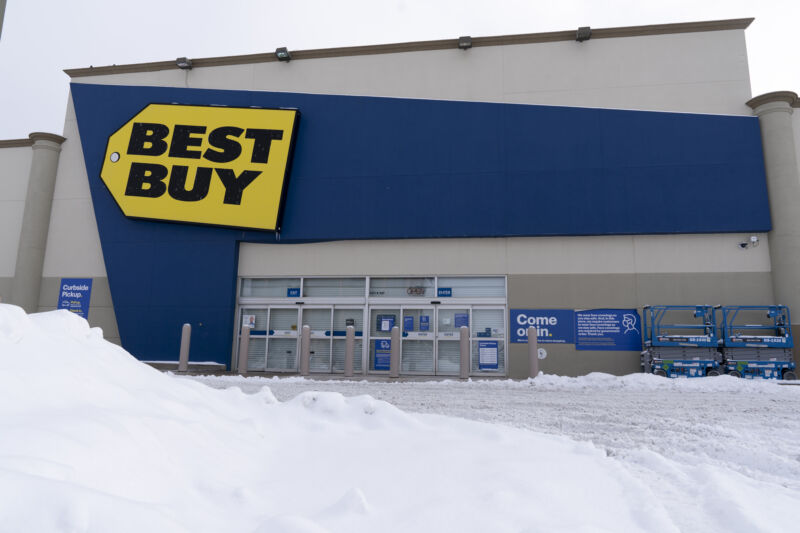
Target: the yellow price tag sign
(224, 166)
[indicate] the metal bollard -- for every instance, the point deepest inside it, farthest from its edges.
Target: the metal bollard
(305, 350)
(349, 346)
(464, 332)
(244, 348)
(394, 360)
(533, 353)
(186, 339)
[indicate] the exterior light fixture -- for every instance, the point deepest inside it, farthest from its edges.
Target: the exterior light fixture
(465, 42)
(584, 33)
(283, 54)
(184, 63)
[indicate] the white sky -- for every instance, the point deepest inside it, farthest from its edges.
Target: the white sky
(42, 37)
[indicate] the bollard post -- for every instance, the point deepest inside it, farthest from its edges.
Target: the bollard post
(186, 339)
(349, 346)
(305, 350)
(533, 353)
(244, 348)
(464, 332)
(394, 360)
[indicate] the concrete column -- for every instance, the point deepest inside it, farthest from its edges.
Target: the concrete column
(774, 111)
(349, 347)
(36, 221)
(305, 350)
(533, 353)
(244, 349)
(394, 358)
(464, 346)
(186, 340)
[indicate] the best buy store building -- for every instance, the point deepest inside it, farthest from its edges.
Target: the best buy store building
(526, 180)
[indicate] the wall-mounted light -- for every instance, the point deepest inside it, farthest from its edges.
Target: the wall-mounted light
(465, 42)
(584, 33)
(283, 54)
(184, 63)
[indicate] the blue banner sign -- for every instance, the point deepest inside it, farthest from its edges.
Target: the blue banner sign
(408, 323)
(383, 354)
(444, 292)
(462, 319)
(74, 295)
(487, 355)
(608, 329)
(553, 326)
(293, 292)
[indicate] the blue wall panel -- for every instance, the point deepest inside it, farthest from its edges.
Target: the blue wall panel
(385, 168)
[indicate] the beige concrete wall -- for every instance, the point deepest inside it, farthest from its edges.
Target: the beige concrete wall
(712, 253)
(15, 167)
(73, 244)
(796, 129)
(5, 289)
(704, 72)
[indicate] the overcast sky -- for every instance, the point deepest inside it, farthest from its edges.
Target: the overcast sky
(40, 38)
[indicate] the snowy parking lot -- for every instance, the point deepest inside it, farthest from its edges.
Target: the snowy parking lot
(692, 440)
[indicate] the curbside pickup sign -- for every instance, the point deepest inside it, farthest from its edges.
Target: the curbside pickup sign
(74, 295)
(223, 166)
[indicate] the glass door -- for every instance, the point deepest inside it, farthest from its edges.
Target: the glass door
(256, 319)
(282, 339)
(381, 321)
(343, 317)
(320, 320)
(417, 344)
(448, 351)
(488, 330)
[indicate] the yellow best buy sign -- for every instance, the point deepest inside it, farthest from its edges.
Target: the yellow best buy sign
(224, 166)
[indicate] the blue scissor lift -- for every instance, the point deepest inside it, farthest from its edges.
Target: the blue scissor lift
(681, 341)
(757, 342)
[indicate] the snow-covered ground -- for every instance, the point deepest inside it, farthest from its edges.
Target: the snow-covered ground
(93, 441)
(713, 451)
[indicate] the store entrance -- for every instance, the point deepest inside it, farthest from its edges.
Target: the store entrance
(428, 312)
(275, 333)
(429, 341)
(328, 326)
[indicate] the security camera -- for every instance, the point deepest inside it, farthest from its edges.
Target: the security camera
(744, 244)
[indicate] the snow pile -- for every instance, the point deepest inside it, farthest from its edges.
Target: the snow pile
(93, 441)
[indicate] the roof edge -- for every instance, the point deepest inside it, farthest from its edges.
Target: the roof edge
(15, 143)
(789, 97)
(44, 136)
(420, 46)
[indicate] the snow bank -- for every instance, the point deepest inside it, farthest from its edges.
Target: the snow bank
(94, 441)
(550, 382)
